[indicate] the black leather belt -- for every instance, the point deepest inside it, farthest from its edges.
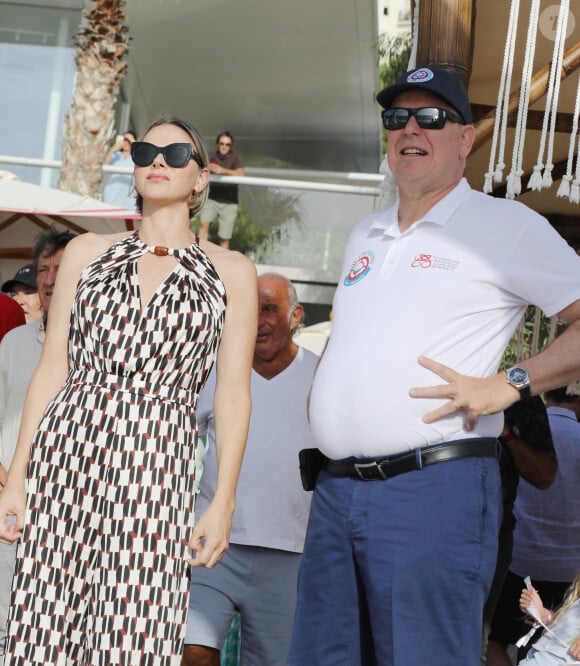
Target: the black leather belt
(386, 468)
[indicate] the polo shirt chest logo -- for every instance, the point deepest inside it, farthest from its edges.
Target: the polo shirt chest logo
(360, 268)
(424, 260)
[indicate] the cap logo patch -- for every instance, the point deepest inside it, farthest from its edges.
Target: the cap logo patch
(420, 75)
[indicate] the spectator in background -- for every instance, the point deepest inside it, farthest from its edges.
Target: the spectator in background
(119, 186)
(257, 575)
(24, 291)
(526, 451)
(547, 533)
(11, 315)
(223, 197)
(19, 355)
(560, 644)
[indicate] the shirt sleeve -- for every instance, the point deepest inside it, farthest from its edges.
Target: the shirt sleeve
(542, 268)
(204, 411)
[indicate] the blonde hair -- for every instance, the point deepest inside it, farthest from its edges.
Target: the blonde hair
(572, 595)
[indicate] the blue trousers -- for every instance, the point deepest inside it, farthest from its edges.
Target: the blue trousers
(396, 572)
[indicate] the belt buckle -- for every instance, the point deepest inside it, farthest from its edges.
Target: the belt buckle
(370, 471)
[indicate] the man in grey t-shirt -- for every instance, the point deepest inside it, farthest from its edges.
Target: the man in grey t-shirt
(222, 202)
(258, 574)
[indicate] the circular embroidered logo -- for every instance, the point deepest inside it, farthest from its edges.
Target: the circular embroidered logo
(359, 268)
(420, 76)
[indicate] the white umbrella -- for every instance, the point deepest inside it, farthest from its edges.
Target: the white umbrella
(26, 209)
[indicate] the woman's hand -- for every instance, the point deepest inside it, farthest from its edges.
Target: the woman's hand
(12, 507)
(211, 535)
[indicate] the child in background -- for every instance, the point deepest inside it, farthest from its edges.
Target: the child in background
(560, 642)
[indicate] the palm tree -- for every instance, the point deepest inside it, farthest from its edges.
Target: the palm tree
(102, 43)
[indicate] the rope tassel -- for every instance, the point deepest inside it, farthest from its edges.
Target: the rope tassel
(520, 133)
(552, 101)
(542, 172)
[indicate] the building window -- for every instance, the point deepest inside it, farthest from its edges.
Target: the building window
(37, 67)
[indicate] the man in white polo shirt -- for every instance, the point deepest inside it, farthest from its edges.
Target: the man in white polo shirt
(407, 402)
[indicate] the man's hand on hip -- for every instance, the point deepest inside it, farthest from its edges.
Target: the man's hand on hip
(474, 395)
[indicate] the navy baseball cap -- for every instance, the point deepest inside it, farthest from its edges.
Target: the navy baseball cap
(435, 79)
(24, 275)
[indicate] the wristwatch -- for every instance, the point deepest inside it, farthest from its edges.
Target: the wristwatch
(518, 377)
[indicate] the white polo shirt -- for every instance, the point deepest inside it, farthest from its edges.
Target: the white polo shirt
(452, 287)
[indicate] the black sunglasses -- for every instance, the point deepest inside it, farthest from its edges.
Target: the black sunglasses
(427, 117)
(176, 155)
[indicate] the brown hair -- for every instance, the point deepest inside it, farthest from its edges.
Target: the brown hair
(199, 198)
(49, 242)
(229, 135)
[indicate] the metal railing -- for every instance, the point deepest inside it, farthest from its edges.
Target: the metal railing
(293, 179)
(315, 264)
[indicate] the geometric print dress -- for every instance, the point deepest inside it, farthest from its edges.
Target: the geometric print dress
(101, 576)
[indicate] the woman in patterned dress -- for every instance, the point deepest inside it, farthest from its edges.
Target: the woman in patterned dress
(100, 491)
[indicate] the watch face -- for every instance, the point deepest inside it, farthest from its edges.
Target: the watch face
(517, 376)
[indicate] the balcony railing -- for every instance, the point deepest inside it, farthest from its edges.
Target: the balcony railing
(322, 207)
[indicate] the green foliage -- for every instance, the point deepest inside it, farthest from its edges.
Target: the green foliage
(263, 223)
(246, 237)
(394, 54)
(533, 335)
(270, 207)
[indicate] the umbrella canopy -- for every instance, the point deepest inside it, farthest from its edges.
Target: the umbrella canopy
(27, 209)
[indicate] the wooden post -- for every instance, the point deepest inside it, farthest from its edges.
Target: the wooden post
(445, 35)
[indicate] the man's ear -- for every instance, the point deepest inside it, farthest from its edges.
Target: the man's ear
(466, 141)
(296, 317)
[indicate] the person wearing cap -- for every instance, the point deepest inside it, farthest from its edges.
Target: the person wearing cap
(23, 290)
(20, 353)
(407, 401)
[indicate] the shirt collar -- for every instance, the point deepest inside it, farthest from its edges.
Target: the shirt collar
(387, 220)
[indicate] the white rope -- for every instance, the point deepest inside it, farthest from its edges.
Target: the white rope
(564, 189)
(501, 109)
(514, 179)
(575, 187)
(536, 182)
(557, 67)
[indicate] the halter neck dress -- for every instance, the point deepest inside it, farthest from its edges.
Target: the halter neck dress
(101, 576)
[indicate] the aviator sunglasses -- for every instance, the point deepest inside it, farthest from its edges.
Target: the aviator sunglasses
(176, 155)
(427, 117)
